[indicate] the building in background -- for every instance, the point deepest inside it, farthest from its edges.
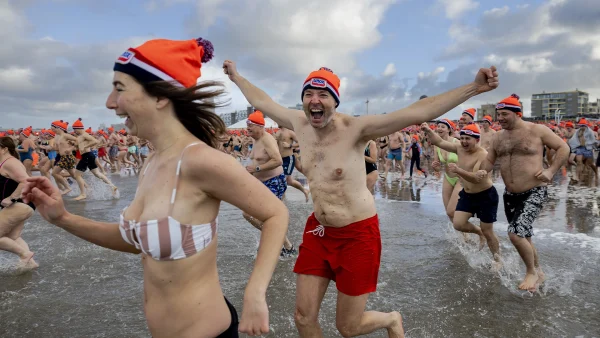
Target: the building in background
(594, 107)
(236, 116)
(546, 105)
(489, 109)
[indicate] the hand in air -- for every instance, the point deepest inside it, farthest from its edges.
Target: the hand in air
(45, 196)
(230, 69)
(481, 174)
(544, 175)
(486, 79)
(453, 168)
(255, 317)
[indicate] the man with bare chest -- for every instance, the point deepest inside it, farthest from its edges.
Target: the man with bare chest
(65, 144)
(341, 240)
(85, 142)
(519, 148)
(487, 133)
(478, 196)
(285, 141)
(266, 167)
(396, 149)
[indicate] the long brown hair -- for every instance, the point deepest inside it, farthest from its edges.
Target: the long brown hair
(194, 107)
(7, 142)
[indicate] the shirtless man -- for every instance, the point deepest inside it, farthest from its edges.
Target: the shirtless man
(519, 149)
(266, 167)
(85, 142)
(113, 149)
(394, 156)
(478, 196)
(487, 133)
(341, 240)
(65, 159)
(285, 141)
(469, 115)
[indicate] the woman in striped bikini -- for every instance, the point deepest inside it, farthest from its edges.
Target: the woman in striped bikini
(172, 219)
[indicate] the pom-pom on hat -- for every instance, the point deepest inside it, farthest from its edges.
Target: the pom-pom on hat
(256, 118)
(60, 125)
(78, 124)
(324, 78)
(487, 119)
(89, 130)
(178, 62)
(471, 112)
(471, 130)
(448, 123)
(511, 103)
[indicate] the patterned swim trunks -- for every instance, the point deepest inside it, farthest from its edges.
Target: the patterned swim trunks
(66, 162)
(277, 185)
(523, 208)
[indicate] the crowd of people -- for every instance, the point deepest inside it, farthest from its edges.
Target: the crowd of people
(188, 163)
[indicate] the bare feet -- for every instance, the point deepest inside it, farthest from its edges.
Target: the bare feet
(496, 266)
(541, 277)
(64, 192)
(27, 262)
(396, 330)
(80, 197)
(529, 283)
(114, 189)
(482, 241)
(306, 193)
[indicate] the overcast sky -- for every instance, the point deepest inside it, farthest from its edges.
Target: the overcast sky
(56, 56)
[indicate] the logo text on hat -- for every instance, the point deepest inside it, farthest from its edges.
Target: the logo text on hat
(319, 83)
(126, 57)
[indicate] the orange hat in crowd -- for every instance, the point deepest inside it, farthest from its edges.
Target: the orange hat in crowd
(448, 123)
(178, 62)
(123, 132)
(26, 132)
(60, 125)
(582, 123)
(487, 119)
(511, 103)
(324, 78)
(89, 130)
(111, 129)
(569, 125)
(78, 124)
(416, 137)
(256, 118)
(50, 132)
(471, 130)
(471, 112)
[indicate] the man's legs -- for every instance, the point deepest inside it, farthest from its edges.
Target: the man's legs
(61, 182)
(258, 224)
(310, 291)
(105, 179)
(528, 254)
(461, 223)
(488, 231)
(78, 175)
(352, 320)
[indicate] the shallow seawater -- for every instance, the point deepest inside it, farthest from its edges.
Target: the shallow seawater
(441, 284)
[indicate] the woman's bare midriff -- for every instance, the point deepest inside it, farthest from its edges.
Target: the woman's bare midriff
(183, 298)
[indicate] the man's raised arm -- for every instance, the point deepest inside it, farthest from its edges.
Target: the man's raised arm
(261, 100)
(428, 108)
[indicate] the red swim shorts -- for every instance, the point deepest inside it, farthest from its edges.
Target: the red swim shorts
(350, 256)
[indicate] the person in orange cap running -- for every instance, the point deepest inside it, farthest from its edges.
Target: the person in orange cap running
(26, 149)
(415, 157)
(519, 148)
(478, 196)
(172, 219)
(285, 141)
(487, 134)
(85, 143)
(582, 145)
(469, 115)
(341, 240)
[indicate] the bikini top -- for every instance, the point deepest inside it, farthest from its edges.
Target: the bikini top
(166, 238)
(452, 157)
